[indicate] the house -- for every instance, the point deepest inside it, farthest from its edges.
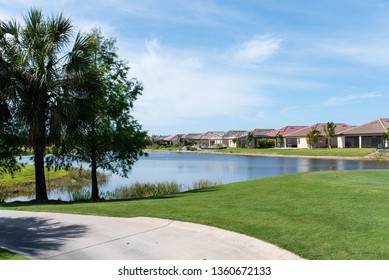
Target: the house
(211, 138)
(288, 142)
(232, 138)
(258, 133)
(368, 135)
(167, 140)
(192, 139)
(160, 140)
(301, 135)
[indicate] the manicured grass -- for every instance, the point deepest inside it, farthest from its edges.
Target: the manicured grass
(7, 255)
(349, 152)
(318, 215)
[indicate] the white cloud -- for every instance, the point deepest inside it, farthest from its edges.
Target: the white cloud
(344, 100)
(200, 12)
(181, 87)
(370, 52)
(257, 49)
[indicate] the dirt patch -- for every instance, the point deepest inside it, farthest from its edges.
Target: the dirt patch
(378, 155)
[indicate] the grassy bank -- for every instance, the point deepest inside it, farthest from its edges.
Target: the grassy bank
(349, 152)
(23, 182)
(319, 215)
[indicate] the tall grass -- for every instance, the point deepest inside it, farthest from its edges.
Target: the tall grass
(140, 190)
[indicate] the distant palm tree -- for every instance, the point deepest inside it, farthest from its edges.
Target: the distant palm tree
(249, 138)
(312, 137)
(329, 132)
(280, 140)
(385, 138)
(40, 81)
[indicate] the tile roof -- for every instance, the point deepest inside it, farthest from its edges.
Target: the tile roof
(285, 130)
(213, 135)
(340, 127)
(233, 134)
(192, 136)
(374, 127)
(258, 132)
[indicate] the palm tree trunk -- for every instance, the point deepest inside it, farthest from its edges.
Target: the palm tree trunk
(95, 188)
(39, 144)
(40, 181)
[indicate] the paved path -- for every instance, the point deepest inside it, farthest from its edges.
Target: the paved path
(72, 237)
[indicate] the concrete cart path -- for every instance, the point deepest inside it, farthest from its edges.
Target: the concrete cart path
(79, 237)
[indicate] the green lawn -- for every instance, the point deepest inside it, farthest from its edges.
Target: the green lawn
(349, 152)
(318, 215)
(7, 255)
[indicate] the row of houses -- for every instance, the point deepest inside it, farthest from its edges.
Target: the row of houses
(368, 135)
(232, 138)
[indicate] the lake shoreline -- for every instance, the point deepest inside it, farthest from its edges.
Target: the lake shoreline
(364, 158)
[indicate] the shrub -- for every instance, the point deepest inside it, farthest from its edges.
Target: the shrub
(265, 143)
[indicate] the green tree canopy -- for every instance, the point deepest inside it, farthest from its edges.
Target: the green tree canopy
(329, 132)
(108, 137)
(41, 80)
(249, 138)
(312, 137)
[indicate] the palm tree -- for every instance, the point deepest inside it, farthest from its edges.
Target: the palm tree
(280, 141)
(385, 138)
(312, 137)
(329, 131)
(249, 138)
(42, 80)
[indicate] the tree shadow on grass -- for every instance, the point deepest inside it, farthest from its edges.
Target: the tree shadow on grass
(32, 235)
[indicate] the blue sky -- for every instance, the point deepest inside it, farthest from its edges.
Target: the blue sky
(225, 65)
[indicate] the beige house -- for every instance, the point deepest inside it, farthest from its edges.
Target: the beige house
(232, 138)
(301, 135)
(211, 138)
(284, 131)
(368, 135)
(192, 138)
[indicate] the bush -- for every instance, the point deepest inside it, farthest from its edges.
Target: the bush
(265, 143)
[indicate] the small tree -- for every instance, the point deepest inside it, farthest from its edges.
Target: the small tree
(385, 138)
(249, 138)
(312, 137)
(237, 142)
(329, 132)
(280, 140)
(108, 137)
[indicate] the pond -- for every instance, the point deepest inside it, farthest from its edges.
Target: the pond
(185, 168)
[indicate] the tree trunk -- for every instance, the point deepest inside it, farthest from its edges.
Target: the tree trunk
(95, 188)
(40, 181)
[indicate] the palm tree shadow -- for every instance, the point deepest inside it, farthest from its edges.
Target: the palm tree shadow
(33, 235)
